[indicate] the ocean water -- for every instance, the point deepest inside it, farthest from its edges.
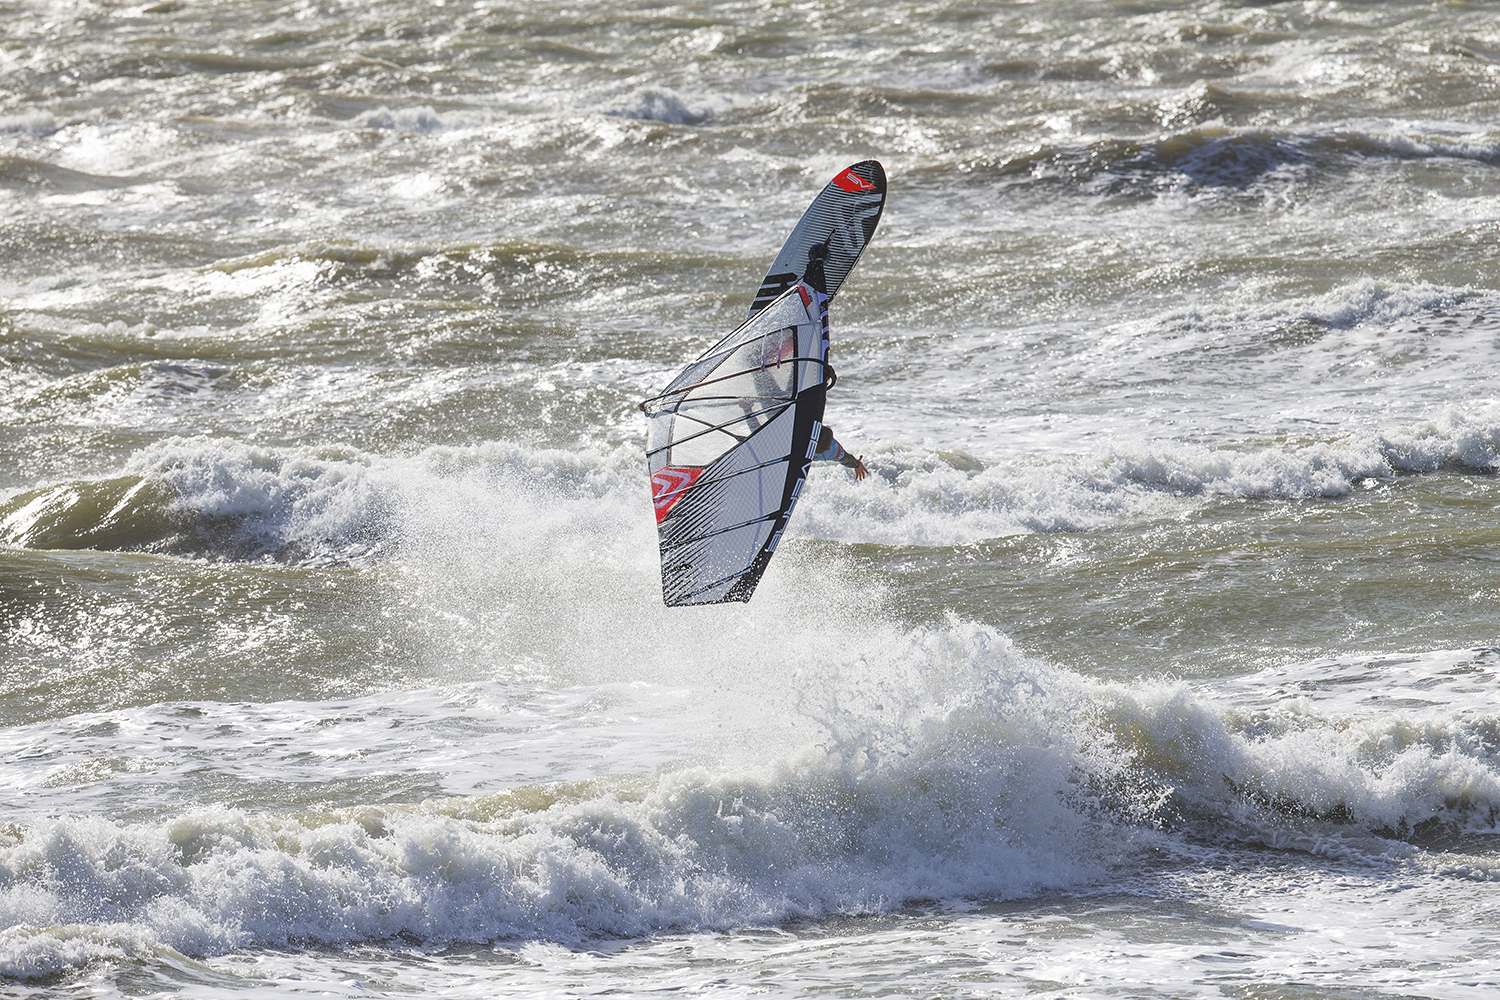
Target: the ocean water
(1159, 656)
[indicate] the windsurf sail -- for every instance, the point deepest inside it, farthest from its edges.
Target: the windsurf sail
(730, 441)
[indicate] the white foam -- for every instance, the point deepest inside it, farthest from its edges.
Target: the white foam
(1468, 439)
(1293, 777)
(1455, 438)
(113, 149)
(968, 788)
(949, 766)
(340, 503)
(918, 496)
(324, 501)
(421, 120)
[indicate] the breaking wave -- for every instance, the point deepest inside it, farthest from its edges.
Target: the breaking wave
(922, 497)
(664, 105)
(951, 767)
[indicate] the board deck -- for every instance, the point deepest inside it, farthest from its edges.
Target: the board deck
(838, 226)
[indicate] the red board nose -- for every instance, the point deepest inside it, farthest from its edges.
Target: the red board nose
(852, 182)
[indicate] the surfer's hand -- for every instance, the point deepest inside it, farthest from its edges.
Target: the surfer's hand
(860, 471)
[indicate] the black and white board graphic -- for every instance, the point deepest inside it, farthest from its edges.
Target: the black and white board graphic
(836, 228)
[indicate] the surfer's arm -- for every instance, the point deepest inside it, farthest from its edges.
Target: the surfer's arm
(835, 453)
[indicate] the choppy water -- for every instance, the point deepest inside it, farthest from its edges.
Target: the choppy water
(1160, 655)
